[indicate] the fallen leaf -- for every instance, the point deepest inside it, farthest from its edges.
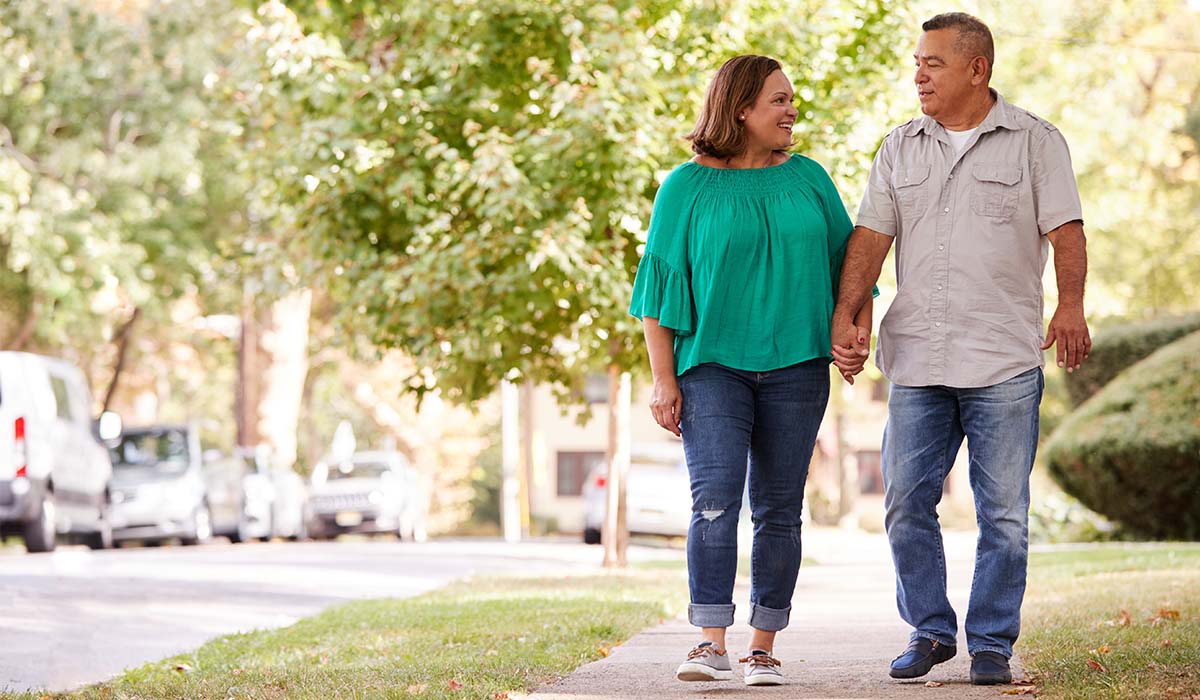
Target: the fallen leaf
(1097, 665)
(932, 684)
(603, 651)
(1166, 643)
(455, 685)
(491, 652)
(1168, 614)
(417, 688)
(1124, 619)
(183, 668)
(500, 696)
(1028, 690)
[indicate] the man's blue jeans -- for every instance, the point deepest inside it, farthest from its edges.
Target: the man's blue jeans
(925, 428)
(773, 418)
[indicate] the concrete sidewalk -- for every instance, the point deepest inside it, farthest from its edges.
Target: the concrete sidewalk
(844, 632)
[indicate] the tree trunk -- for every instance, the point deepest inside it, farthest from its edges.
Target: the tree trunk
(25, 333)
(616, 528)
(526, 473)
(274, 364)
(122, 354)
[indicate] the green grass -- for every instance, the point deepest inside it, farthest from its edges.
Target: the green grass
(494, 636)
(1073, 614)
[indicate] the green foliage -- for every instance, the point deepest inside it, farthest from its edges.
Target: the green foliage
(480, 174)
(103, 179)
(1132, 451)
(1115, 347)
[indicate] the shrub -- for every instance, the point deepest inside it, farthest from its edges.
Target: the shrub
(1119, 346)
(1132, 451)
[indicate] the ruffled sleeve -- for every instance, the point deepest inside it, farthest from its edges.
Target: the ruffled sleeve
(663, 286)
(662, 292)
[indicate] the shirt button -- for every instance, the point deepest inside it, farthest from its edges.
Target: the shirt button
(951, 177)
(941, 247)
(938, 324)
(946, 210)
(939, 287)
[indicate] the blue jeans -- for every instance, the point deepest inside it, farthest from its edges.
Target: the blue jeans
(772, 418)
(925, 428)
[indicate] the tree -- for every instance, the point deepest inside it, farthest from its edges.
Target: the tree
(481, 174)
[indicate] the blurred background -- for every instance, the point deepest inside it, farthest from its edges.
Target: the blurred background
(299, 245)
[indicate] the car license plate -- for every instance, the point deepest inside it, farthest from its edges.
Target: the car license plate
(348, 519)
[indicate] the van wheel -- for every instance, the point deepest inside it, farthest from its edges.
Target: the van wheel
(102, 538)
(591, 535)
(40, 534)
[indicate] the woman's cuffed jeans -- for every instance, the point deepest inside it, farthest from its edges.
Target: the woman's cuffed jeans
(926, 426)
(770, 419)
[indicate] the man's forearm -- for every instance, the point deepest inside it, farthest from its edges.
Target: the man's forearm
(1070, 261)
(860, 270)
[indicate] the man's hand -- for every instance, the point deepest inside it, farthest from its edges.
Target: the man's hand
(1069, 329)
(850, 347)
(666, 404)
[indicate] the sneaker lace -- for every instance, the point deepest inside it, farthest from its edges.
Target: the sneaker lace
(763, 660)
(703, 652)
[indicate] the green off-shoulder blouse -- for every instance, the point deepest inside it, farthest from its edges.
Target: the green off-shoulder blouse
(743, 264)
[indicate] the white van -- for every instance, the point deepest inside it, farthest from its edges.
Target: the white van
(54, 473)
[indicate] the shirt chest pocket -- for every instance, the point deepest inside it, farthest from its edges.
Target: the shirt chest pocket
(912, 190)
(995, 190)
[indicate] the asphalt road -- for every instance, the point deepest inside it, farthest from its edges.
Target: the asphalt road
(74, 616)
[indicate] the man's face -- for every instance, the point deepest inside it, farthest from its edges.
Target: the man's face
(769, 120)
(943, 76)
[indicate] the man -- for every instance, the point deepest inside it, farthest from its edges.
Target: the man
(970, 193)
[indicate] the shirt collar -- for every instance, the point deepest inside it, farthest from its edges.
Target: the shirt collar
(1000, 116)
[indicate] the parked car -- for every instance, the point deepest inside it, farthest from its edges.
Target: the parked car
(369, 492)
(54, 473)
(240, 496)
(274, 494)
(658, 495)
(159, 488)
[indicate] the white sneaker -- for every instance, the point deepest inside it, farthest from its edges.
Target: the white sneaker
(760, 668)
(705, 663)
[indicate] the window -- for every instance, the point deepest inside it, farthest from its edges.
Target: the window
(595, 388)
(870, 474)
(61, 397)
(573, 469)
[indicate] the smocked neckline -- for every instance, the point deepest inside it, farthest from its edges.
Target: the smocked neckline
(749, 181)
(790, 158)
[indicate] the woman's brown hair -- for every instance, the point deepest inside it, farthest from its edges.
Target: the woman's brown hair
(718, 133)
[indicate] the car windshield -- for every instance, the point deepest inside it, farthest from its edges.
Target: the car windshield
(163, 450)
(358, 470)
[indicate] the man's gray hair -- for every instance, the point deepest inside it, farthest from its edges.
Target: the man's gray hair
(974, 37)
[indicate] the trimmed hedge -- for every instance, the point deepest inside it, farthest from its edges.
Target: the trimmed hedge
(1132, 451)
(1120, 346)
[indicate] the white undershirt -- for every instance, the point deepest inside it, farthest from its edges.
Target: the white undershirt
(959, 139)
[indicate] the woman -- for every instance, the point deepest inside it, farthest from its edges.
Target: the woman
(735, 291)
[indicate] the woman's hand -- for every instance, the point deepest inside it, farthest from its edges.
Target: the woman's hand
(666, 404)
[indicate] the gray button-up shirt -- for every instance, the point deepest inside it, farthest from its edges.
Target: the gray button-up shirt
(970, 245)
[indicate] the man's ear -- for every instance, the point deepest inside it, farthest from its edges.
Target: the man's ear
(979, 70)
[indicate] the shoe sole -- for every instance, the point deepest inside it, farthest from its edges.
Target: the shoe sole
(763, 680)
(699, 672)
(991, 680)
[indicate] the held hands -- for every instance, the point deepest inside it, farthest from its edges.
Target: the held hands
(666, 404)
(1069, 329)
(850, 347)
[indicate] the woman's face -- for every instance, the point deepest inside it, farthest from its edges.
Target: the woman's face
(768, 122)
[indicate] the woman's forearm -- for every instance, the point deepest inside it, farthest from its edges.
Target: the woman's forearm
(660, 343)
(864, 316)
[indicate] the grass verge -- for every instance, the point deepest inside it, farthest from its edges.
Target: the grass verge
(484, 638)
(1114, 622)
